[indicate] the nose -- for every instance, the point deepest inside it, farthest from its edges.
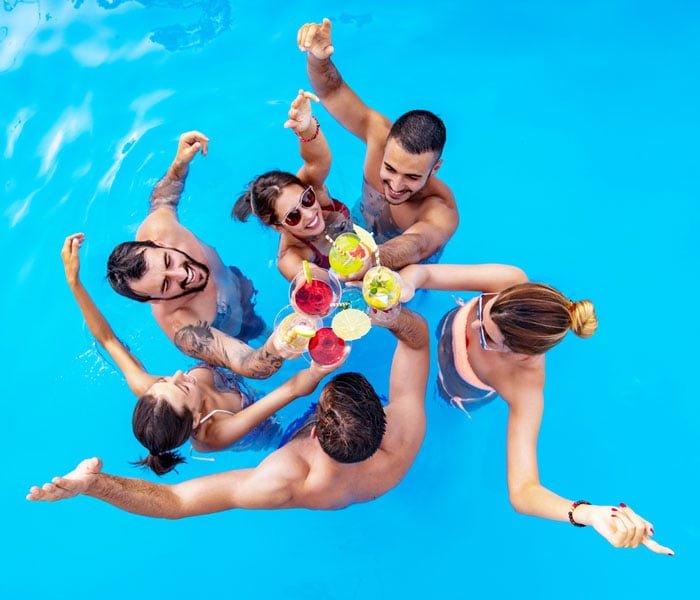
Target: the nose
(178, 376)
(178, 273)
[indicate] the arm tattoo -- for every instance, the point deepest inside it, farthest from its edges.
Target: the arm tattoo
(166, 193)
(199, 342)
(263, 362)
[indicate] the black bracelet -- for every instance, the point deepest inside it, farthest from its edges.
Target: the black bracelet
(571, 512)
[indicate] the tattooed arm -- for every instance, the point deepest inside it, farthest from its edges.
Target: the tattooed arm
(216, 348)
(167, 192)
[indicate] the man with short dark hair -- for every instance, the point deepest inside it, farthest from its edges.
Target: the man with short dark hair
(203, 306)
(354, 450)
(411, 213)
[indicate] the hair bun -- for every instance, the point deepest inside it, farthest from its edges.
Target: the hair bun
(583, 318)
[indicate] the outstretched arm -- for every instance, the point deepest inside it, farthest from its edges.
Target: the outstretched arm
(245, 488)
(622, 527)
(225, 431)
(216, 348)
(313, 146)
(136, 376)
(478, 278)
(336, 96)
(162, 212)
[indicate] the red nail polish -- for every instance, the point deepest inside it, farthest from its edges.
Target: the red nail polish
(613, 515)
(623, 505)
(652, 530)
(614, 508)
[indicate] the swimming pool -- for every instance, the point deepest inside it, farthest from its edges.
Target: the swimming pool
(571, 148)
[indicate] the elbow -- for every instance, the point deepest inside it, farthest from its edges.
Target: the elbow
(515, 276)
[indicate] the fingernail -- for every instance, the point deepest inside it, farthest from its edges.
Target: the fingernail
(623, 505)
(614, 508)
(671, 554)
(613, 515)
(652, 530)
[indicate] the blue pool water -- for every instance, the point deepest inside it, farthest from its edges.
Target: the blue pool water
(572, 149)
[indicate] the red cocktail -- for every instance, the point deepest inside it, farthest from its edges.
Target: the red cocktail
(326, 347)
(314, 291)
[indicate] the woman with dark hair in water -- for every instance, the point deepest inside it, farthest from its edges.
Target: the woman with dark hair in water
(208, 405)
(495, 345)
(298, 206)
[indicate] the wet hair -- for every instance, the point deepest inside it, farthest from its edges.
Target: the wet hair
(261, 196)
(534, 317)
(125, 264)
(419, 131)
(350, 420)
(161, 429)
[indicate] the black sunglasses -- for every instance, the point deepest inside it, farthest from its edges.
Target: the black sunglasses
(307, 200)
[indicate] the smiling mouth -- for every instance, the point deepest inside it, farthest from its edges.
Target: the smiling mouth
(313, 223)
(191, 275)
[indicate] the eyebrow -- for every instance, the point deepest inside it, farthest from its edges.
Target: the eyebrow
(393, 168)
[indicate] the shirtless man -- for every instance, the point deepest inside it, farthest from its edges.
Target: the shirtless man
(354, 452)
(411, 213)
(204, 307)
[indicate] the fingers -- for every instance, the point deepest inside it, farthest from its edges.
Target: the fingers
(310, 96)
(191, 142)
(313, 34)
(656, 547)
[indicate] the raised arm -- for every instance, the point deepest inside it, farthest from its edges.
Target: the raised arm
(313, 146)
(216, 348)
(166, 194)
(263, 488)
(336, 96)
(477, 278)
(136, 376)
(225, 431)
(621, 526)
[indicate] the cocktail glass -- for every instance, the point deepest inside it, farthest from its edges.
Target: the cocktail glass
(348, 254)
(314, 291)
(381, 288)
(293, 331)
(326, 347)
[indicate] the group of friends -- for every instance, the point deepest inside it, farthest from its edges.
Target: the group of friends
(349, 447)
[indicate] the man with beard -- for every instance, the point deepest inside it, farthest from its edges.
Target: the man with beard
(411, 213)
(203, 306)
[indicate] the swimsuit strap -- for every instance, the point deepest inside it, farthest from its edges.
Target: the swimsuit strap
(213, 412)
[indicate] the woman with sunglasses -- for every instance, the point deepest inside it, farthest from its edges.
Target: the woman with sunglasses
(298, 206)
(494, 345)
(210, 406)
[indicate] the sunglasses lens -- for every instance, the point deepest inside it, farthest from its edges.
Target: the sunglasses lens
(293, 218)
(308, 198)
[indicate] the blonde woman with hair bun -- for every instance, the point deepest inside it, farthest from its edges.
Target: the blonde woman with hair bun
(494, 345)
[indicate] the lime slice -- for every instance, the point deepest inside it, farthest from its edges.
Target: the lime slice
(351, 324)
(307, 271)
(304, 331)
(365, 237)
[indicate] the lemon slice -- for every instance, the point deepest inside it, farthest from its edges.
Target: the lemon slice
(351, 324)
(365, 237)
(304, 331)
(307, 270)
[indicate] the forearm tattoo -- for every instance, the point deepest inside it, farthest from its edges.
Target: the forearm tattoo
(263, 362)
(166, 193)
(199, 342)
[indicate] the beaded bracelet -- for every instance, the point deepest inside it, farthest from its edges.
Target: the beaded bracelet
(571, 512)
(314, 136)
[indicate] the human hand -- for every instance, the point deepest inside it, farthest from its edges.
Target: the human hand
(316, 39)
(190, 143)
(300, 115)
(624, 528)
(71, 258)
(76, 482)
(408, 285)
